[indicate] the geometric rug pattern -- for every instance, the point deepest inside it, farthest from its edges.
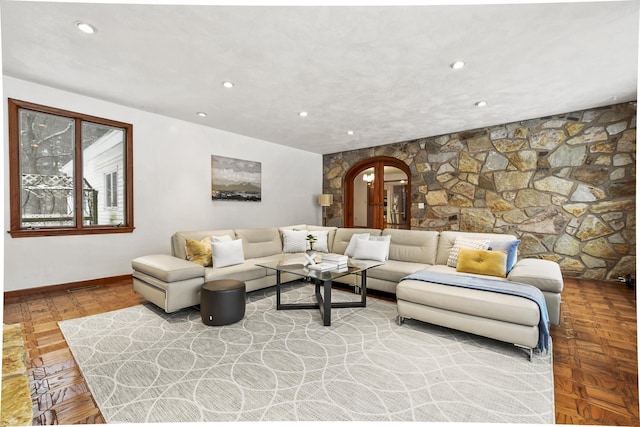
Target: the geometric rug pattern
(143, 365)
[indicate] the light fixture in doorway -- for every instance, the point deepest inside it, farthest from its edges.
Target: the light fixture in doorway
(368, 178)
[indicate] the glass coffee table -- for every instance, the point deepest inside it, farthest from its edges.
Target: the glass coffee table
(322, 279)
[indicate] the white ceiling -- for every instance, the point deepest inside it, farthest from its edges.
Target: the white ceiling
(382, 72)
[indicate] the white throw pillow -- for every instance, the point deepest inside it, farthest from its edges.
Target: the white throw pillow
(377, 250)
(227, 253)
(463, 242)
(351, 247)
(295, 241)
(322, 241)
(225, 238)
(383, 239)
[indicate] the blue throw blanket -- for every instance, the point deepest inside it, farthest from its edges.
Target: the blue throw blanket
(486, 284)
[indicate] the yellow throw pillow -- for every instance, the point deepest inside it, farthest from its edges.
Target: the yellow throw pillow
(478, 261)
(199, 251)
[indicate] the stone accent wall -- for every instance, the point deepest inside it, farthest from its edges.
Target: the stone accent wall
(564, 185)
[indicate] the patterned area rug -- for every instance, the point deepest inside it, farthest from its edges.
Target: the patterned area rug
(143, 365)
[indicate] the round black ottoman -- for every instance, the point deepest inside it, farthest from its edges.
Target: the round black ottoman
(222, 302)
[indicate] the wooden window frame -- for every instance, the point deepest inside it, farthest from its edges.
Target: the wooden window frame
(15, 181)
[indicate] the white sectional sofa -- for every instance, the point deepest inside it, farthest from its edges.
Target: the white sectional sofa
(173, 282)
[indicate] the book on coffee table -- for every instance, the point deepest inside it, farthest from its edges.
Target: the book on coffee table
(335, 258)
(322, 266)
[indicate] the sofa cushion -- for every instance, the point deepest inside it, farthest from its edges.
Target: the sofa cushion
(245, 272)
(294, 241)
(541, 273)
(377, 250)
(448, 238)
(199, 251)
(259, 242)
(491, 305)
(351, 247)
(343, 237)
(331, 233)
(321, 243)
(167, 268)
(451, 270)
(382, 239)
(417, 246)
(293, 227)
(178, 240)
(510, 247)
(463, 242)
(487, 263)
(394, 270)
(227, 253)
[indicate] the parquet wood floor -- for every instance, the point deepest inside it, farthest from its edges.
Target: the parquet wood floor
(58, 390)
(594, 349)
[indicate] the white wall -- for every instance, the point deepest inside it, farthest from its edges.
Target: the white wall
(172, 182)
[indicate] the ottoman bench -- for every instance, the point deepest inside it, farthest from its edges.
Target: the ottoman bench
(222, 302)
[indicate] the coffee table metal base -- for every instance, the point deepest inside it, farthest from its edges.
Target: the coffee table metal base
(324, 304)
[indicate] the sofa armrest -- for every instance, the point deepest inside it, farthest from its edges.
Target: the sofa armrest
(167, 268)
(541, 273)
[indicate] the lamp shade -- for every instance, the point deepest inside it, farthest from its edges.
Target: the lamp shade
(325, 199)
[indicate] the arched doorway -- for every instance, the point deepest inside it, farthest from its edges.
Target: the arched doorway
(377, 194)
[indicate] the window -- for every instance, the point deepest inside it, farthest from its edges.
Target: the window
(111, 190)
(70, 173)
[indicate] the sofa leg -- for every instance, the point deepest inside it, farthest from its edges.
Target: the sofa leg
(529, 350)
(399, 320)
(356, 290)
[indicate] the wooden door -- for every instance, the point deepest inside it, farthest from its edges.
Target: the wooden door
(372, 170)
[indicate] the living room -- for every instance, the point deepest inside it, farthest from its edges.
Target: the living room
(172, 153)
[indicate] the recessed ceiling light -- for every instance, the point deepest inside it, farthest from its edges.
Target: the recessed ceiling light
(457, 65)
(202, 114)
(481, 104)
(350, 132)
(86, 28)
(303, 114)
(228, 85)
